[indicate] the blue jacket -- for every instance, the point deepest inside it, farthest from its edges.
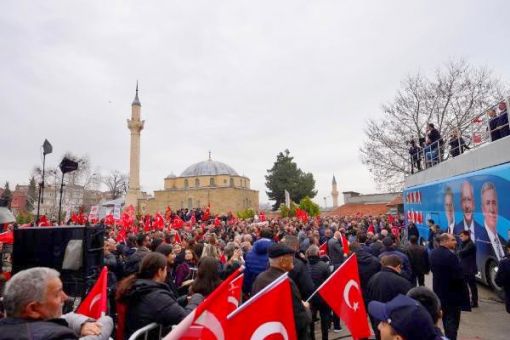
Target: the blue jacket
(256, 262)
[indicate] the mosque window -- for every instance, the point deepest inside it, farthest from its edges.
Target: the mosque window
(182, 204)
(198, 203)
(190, 203)
(224, 181)
(197, 182)
(231, 182)
(186, 184)
(211, 182)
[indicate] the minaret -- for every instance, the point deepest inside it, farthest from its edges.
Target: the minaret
(334, 193)
(135, 125)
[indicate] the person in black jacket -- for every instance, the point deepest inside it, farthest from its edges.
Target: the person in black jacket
(448, 283)
(387, 284)
(412, 230)
(419, 259)
(319, 271)
(467, 255)
(503, 276)
(368, 265)
(281, 260)
(149, 299)
(415, 153)
(299, 274)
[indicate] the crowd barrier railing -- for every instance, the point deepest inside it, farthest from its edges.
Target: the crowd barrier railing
(143, 333)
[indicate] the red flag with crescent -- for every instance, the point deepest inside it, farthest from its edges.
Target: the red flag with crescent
(7, 237)
(95, 303)
(349, 306)
(259, 318)
(208, 320)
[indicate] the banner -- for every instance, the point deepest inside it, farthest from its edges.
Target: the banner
(116, 212)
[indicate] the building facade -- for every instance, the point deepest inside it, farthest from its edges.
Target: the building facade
(208, 183)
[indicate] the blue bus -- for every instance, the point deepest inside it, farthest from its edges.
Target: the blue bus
(468, 192)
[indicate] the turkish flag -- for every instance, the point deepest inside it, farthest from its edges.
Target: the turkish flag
(261, 318)
(7, 237)
(108, 220)
(159, 223)
(208, 320)
(95, 303)
(323, 249)
(217, 221)
(177, 238)
(177, 223)
(345, 244)
(342, 292)
(43, 221)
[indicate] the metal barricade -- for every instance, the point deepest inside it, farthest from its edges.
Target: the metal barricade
(143, 333)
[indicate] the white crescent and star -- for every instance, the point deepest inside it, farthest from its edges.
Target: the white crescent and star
(269, 328)
(347, 289)
(94, 300)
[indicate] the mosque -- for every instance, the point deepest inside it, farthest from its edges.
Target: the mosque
(207, 183)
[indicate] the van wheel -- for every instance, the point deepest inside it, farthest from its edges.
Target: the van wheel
(492, 269)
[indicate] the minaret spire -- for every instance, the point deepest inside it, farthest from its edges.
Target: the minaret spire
(334, 192)
(136, 101)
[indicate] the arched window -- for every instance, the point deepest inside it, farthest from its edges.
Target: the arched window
(197, 182)
(211, 182)
(190, 203)
(231, 182)
(186, 184)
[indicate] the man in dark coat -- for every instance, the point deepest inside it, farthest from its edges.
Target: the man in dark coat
(299, 274)
(386, 284)
(448, 284)
(467, 255)
(133, 261)
(368, 265)
(390, 248)
(419, 259)
(281, 260)
(319, 271)
(412, 230)
(335, 250)
(503, 276)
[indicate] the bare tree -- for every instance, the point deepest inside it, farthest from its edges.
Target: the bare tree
(117, 183)
(455, 95)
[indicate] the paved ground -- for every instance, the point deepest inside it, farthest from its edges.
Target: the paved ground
(488, 322)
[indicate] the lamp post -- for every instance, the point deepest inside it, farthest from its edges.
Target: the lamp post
(325, 202)
(47, 149)
(65, 166)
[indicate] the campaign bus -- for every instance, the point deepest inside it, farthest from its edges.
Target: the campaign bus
(468, 192)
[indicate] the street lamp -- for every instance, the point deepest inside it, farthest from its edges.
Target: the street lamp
(47, 149)
(325, 202)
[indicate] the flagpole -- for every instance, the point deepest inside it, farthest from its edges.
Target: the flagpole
(261, 292)
(332, 274)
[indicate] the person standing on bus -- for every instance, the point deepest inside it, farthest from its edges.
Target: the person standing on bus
(492, 242)
(449, 209)
(467, 255)
(467, 201)
(503, 276)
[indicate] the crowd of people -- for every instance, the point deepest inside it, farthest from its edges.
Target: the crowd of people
(162, 274)
(431, 149)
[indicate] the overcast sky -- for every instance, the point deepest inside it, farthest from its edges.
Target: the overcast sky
(245, 79)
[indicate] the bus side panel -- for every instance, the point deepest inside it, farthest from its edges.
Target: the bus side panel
(478, 201)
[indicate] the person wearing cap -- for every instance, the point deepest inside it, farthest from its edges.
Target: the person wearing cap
(430, 301)
(402, 318)
(281, 260)
(503, 276)
(449, 284)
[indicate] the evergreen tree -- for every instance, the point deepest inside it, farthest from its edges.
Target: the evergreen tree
(6, 197)
(31, 195)
(285, 175)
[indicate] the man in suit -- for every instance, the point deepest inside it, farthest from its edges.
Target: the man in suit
(467, 255)
(448, 283)
(467, 202)
(491, 242)
(449, 210)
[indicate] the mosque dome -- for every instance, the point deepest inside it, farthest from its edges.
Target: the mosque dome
(209, 168)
